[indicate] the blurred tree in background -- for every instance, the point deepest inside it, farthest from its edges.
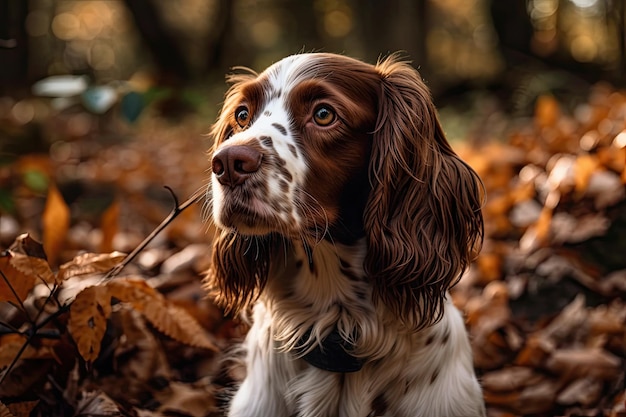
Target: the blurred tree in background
(186, 41)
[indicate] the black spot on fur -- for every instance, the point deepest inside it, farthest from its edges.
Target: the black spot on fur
(293, 150)
(434, 376)
(267, 113)
(446, 336)
(379, 405)
(267, 141)
(281, 129)
(429, 340)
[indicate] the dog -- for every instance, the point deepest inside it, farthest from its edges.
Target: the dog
(343, 217)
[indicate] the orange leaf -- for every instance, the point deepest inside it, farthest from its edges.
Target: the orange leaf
(584, 167)
(13, 281)
(89, 263)
(55, 223)
(109, 225)
(547, 111)
(168, 318)
(87, 322)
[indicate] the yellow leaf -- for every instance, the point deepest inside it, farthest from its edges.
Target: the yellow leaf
(55, 223)
(109, 225)
(88, 320)
(168, 318)
(13, 281)
(89, 263)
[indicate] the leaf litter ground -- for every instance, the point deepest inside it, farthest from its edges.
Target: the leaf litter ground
(545, 300)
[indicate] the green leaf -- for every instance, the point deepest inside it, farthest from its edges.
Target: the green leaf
(7, 204)
(36, 180)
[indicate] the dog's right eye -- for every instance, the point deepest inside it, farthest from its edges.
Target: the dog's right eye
(242, 116)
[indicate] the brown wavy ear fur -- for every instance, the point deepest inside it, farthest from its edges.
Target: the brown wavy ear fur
(239, 269)
(423, 217)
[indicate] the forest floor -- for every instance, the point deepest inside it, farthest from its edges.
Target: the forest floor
(544, 302)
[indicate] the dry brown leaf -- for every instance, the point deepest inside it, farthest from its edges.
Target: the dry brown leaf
(11, 344)
(88, 320)
(139, 354)
(109, 223)
(538, 397)
(14, 284)
(168, 318)
(5, 412)
(23, 408)
(585, 391)
(26, 245)
(187, 400)
(55, 224)
(535, 351)
(34, 266)
(619, 406)
(97, 404)
(584, 362)
(508, 379)
(89, 263)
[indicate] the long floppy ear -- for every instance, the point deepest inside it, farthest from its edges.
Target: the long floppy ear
(423, 217)
(239, 269)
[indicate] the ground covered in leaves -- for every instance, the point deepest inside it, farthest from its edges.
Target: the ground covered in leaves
(545, 301)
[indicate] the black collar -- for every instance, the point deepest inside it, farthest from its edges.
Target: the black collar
(332, 354)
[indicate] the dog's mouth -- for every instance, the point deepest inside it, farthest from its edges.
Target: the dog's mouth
(249, 213)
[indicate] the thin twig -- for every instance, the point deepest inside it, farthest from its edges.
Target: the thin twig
(173, 214)
(16, 358)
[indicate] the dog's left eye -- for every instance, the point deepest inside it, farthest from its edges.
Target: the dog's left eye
(242, 116)
(324, 115)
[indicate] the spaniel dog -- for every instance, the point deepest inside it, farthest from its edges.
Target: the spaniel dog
(343, 217)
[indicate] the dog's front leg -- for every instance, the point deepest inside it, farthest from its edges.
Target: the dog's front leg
(267, 372)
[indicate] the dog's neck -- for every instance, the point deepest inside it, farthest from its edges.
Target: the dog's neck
(315, 304)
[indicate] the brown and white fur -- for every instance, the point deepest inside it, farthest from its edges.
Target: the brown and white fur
(341, 207)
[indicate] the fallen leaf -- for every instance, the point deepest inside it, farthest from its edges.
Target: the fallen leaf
(97, 404)
(109, 224)
(168, 318)
(89, 263)
(55, 224)
(88, 320)
(14, 283)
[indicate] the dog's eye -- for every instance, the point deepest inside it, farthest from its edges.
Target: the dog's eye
(242, 116)
(324, 115)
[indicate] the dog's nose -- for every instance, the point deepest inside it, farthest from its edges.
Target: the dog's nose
(234, 164)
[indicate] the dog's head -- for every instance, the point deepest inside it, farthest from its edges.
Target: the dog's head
(322, 146)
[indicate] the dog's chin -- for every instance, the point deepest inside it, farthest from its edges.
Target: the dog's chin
(245, 221)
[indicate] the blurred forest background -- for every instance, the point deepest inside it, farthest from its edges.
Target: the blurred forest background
(103, 103)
